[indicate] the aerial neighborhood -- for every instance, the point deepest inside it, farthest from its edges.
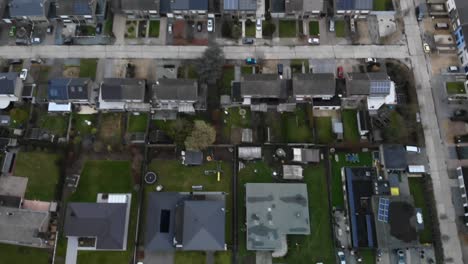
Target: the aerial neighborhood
(233, 131)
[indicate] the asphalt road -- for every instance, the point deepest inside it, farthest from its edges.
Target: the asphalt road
(436, 151)
(192, 52)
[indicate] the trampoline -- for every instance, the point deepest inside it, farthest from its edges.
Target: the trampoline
(150, 177)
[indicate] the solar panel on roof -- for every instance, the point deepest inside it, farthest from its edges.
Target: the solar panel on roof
(380, 87)
(81, 7)
(382, 214)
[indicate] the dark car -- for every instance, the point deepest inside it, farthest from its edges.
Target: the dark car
(339, 72)
(459, 115)
(50, 29)
(280, 69)
(248, 41)
(199, 27)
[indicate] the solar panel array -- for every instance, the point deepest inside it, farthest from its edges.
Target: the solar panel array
(382, 214)
(81, 7)
(380, 87)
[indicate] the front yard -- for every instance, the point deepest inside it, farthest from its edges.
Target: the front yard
(42, 171)
(350, 126)
(455, 88)
(338, 162)
(314, 28)
(137, 123)
(19, 254)
(287, 28)
(154, 29)
(417, 190)
(250, 29)
(383, 5)
(228, 77)
(340, 29)
(88, 68)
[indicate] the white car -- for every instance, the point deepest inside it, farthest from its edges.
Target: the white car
(209, 25)
(313, 41)
(258, 25)
(169, 28)
(332, 25)
(23, 74)
(371, 60)
(341, 257)
(426, 47)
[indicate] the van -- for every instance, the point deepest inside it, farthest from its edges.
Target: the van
(441, 26)
(413, 149)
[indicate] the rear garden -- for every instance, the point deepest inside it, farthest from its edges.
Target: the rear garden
(323, 130)
(19, 254)
(350, 126)
(137, 123)
(42, 171)
(110, 130)
(339, 161)
(421, 200)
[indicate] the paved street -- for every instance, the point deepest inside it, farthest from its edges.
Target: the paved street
(192, 52)
(436, 151)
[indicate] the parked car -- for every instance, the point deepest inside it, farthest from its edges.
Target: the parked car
(209, 25)
(341, 257)
(251, 61)
(280, 69)
(314, 41)
(23, 74)
(50, 29)
(413, 149)
(248, 41)
(332, 25)
(459, 115)
(199, 27)
(16, 61)
(426, 47)
(339, 72)
(36, 40)
(371, 60)
(441, 26)
(352, 25)
(461, 139)
(453, 69)
(99, 28)
(169, 28)
(258, 24)
(401, 257)
(12, 31)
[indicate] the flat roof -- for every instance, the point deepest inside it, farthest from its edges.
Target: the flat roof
(22, 226)
(274, 210)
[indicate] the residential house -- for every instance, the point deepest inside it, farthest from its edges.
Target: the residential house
(240, 8)
(289, 215)
(194, 221)
(172, 96)
(11, 88)
(462, 174)
(458, 12)
(184, 8)
(80, 12)
(140, 9)
(297, 9)
(263, 91)
(63, 92)
(23, 227)
(123, 94)
(353, 7)
(33, 11)
(318, 88)
(375, 88)
(98, 226)
(393, 157)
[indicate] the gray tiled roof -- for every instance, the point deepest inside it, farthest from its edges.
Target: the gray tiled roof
(231, 4)
(118, 89)
(175, 89)
(75, 7)
(69, 89)
(367, 83)
(8, 82)
(247, 5)
(139, 4)
(394, 157)
(314, 84)
(20, 8)
(189, 5)
(354, 4)
(292, 6)
(263, 86)
(106, 221)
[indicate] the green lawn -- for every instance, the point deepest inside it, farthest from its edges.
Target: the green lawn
(318, 246)
(189, 257)
(420, 201)
(108, 25)
(80, 124)
(350, 126)
(137, 123)
(368, 256)
(254, 172)
(42, 172)
(88, 31)
(110, 128)
(228, 77)
(340, 28)
(250, 29)
(365, 159)
(54, 124)
(19, 117)
(223, 257)
(323, 130)
(103, 176)
(296, 65)
(297, 129)
(287, 28)
(247, 70)
(88, 68)
(176, 177)
(187, 71)
(17, 254)
(314, 28)
(455, 88)
(154, 29)
(383, 5)
(235, 120)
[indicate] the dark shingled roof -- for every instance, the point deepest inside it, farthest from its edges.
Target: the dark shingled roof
(118, 89)
(68, 88)
(263, 86)
(354, 4)
(175, 89)
(140, 4)
(367, 83)
(394, 157)
(75, 7)
(106, 221)
(314, 84)
(277, 6)
(189, 5)
(8, 82)
(20, 8)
